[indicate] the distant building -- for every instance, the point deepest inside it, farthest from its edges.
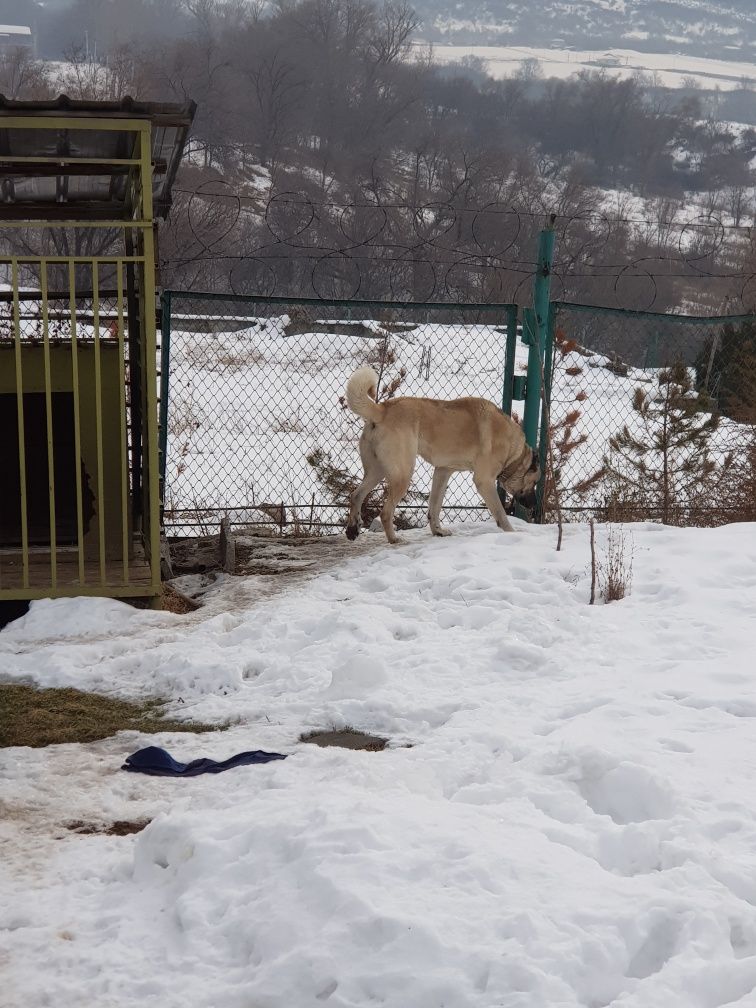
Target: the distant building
(607, 60)
(15, 36)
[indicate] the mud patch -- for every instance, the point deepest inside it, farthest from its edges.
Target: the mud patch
(121, 827)
(264, 565)
(346, 738)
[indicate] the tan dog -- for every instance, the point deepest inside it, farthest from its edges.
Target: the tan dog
(459, 435)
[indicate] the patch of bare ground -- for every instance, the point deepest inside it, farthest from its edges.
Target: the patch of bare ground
(346, 738)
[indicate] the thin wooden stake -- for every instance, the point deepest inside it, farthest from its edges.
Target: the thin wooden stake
(550, 457)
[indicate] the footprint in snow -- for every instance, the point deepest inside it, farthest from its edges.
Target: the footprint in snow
(658, 947)
(627, 793)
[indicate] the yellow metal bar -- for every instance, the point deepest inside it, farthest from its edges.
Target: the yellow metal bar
(77, 421)
(152, 509)
(124, 438)
(48, 411)
(142, 591)
(21, 431)
(124, 434)
(98, 418)
(63, 122)
(63, 159)
(115, 222)
(29, 260)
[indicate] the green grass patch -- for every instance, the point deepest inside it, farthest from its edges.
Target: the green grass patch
(41, 717)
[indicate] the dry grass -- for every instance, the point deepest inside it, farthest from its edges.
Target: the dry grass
(616, 567)
(378, 356)
(176, 602)
(202, 354)
(41, 717)
(184, 416)
(289, 424)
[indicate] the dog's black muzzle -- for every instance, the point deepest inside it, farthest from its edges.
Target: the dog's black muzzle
(527, 499)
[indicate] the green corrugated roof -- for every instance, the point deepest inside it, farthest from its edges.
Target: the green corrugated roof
(59, 187)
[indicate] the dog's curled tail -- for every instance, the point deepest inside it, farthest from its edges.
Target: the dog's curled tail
(361, 391)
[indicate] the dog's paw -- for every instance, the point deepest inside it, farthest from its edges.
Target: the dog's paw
(441, 532)
(352, 531)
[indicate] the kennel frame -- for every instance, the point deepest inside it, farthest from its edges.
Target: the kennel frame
(116, 174)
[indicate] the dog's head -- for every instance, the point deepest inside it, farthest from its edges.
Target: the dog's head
(521, 484)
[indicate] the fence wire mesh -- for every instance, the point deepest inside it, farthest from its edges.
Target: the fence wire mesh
(653, 417)
(256, 425)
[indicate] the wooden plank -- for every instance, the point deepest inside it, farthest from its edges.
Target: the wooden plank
(67, 570)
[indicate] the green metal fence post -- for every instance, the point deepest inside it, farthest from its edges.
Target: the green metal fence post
(543, 442)
(507, 392)
(509, 360)
(165, 360)
(541, 290)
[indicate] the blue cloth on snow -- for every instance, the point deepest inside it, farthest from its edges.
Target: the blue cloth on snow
(158, 763)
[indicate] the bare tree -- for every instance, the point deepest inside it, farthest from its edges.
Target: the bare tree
(395, 25)
(21, 75)
(739, 200)
(275, 88)
(109, 78)
(529, 70)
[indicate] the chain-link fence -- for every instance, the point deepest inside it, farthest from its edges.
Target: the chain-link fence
(256, 426)
(653, 417)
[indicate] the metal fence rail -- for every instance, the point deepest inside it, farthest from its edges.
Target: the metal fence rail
(622, 384)
(255, 426)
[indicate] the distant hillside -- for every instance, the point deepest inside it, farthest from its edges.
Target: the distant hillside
(715, 28)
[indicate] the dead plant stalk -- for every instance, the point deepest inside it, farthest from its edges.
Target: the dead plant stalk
(550, 454)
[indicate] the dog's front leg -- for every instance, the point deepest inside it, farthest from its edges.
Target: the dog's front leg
(438, 489)
(485, 484)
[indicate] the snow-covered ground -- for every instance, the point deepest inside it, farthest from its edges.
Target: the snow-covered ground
(565, 816)
(670, 69)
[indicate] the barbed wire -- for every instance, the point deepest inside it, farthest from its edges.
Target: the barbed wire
(300, 200)
(292, 244)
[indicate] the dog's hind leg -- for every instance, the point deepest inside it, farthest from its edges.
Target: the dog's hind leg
(485, 484)
(373, 475)
(397, 485)
(438, 489)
